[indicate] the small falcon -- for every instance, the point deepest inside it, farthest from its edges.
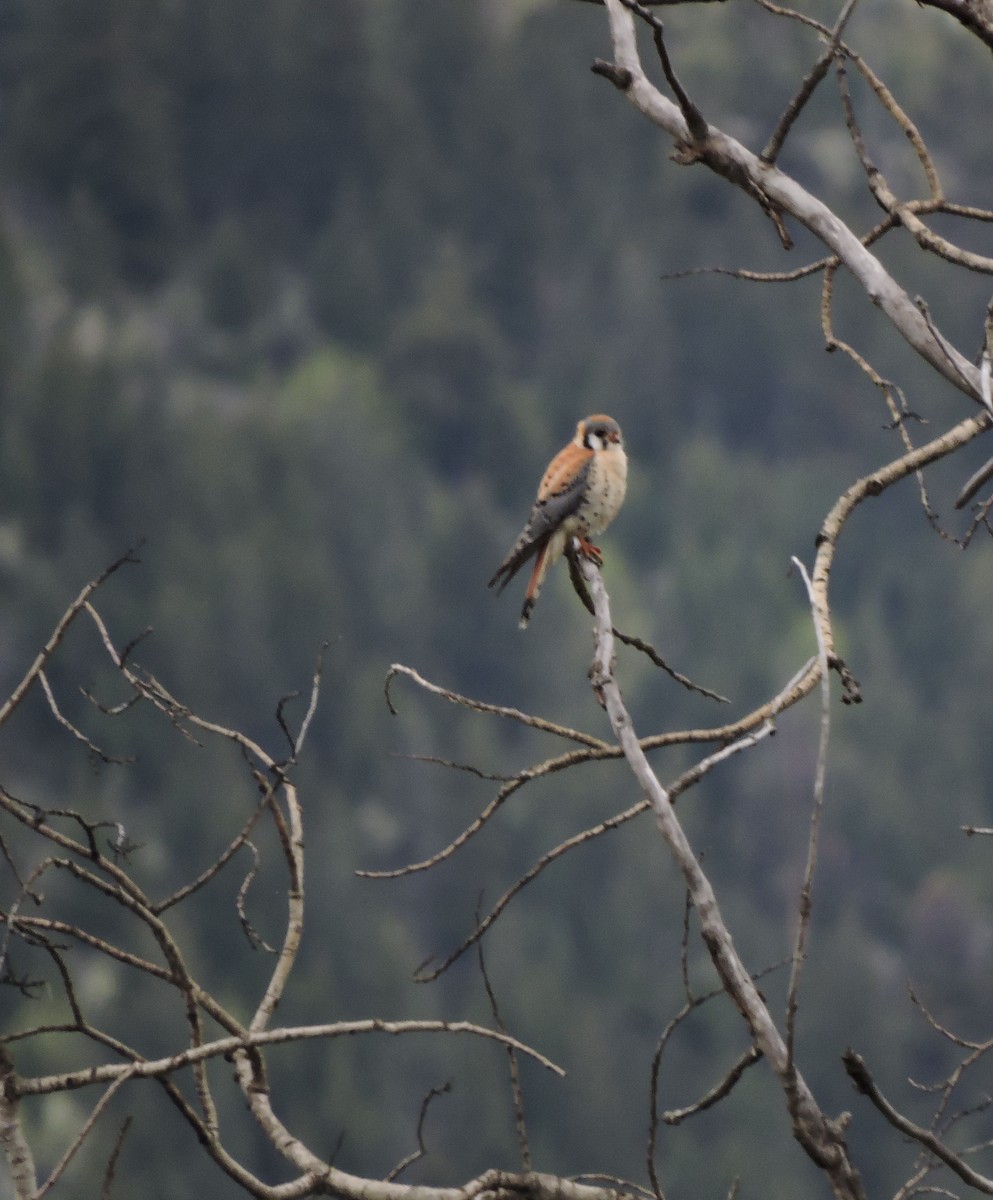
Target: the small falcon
(579, 495)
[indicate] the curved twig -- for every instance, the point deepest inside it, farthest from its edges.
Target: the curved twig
(859, 1074)
(59, 632)
(481, 706)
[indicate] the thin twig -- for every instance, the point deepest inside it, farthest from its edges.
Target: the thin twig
(694, 119)
(421, 1150)
(423, 975)
(481, 706)
(67, 618)
(93, 748)
(859, 1074)
(724, 1087)
(111, 1171)
(636, 643)
(59, 1169)
(255, 939)
(807, 88)
(221, 861)
(520, 1121)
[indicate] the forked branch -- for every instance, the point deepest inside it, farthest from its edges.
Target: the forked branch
(728, 157)
(821, 1137)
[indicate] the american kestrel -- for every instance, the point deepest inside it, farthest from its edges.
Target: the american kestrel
(579, 495)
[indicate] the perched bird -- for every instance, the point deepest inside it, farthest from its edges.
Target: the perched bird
(579, 495)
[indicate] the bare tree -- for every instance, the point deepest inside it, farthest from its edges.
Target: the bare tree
(696, 140)
(96, 856)
(63, 843)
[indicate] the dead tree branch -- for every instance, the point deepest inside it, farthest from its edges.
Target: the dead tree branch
(729, 158)
(859, 1074)
(820, 1137)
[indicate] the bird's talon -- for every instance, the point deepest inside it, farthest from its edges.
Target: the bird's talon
(588, 550)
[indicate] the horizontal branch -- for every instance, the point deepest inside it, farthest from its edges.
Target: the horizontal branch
(481, 706)
(154, 1068)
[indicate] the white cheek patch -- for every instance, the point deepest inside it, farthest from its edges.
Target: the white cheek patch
(595, 441)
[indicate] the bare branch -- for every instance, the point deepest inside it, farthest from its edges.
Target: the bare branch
(77, 1142)
(974, 15)
(936, 1025)
(421, 1150)
(76, 733)
(806, 891)
(873, 485)
(821, 1139)
(108, 1177)
(694, 118)
(255, 939)
(636, 643)
(315, 689)
(151, 1068)
(220, 862)
(13, 1142)
(520, 1121)
(718, 1092)
(905, 214)
(623, 1186)
(425, 976)
(859, 1074)
(480, 706)
(67, 618)
(505, 792)
(695, 773)
(807, 88)
(985, 472)
(729, 158)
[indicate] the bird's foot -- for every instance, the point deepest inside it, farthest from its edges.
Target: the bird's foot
(588, 550)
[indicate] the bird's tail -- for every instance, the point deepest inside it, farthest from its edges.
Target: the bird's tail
(534, 586)
(524, 548)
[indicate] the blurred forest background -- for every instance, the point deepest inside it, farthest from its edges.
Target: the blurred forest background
(305, 293)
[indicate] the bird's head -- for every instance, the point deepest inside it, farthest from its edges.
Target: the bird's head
(598, 432)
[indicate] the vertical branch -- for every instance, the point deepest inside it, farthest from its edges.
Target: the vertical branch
(985, 472)
(807, 88)
(60, 1168)
(16, 1148)
(520, 1121)
(803, 927)
(821, 1139)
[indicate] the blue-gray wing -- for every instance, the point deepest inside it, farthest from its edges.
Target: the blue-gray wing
(547, 515)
